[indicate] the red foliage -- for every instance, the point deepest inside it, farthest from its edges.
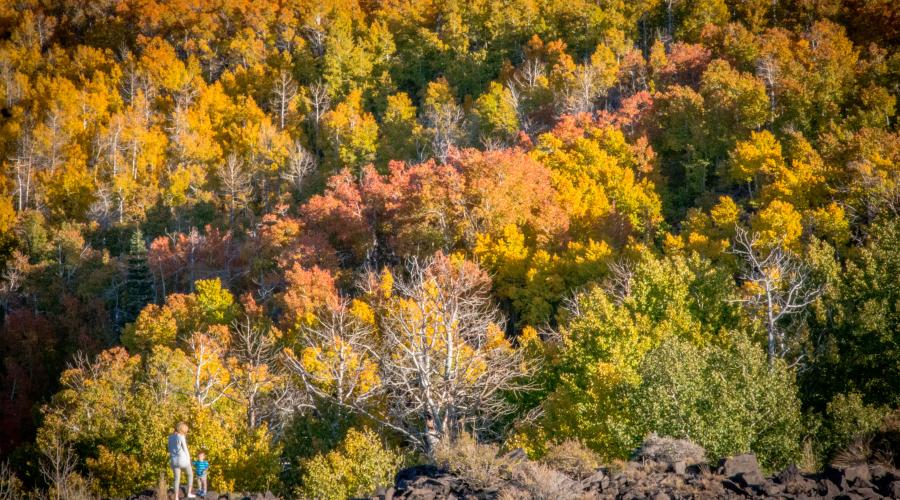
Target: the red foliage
(339, 214)
(685, 64)
(631, 116)
(307, 290)
(179, 260)
(417, 208)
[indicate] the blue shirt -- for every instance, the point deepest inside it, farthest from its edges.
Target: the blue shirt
(200, 466)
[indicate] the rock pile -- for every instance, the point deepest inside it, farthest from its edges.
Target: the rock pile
(210, 495)
(736, 477)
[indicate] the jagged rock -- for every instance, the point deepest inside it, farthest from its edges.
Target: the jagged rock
(597, 482)
(737, 477)
(893, 489)
(857, 473)
(739, 464)
(666, 450)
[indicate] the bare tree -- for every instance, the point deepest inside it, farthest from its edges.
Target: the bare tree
(24, 166)
(11, 85)
(442, 362)
(583, 92)
(254, 348)
(210, 379)
(618, 284)
(300, 164)
(316, 35)
(517, 102)
(351, 345)
(521, 85)
(10, 485)
(283, 95)
(319, 102)
(444, 367)
(529, 73)
(880, 189)
(58, 466)
(235, 184)
(445, 124)
(767, 70)
(781, 288)
(12, 279)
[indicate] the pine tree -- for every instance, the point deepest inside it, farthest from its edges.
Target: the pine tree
(139, 282)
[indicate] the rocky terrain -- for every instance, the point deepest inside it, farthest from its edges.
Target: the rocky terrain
(735, 477)
(210, 495)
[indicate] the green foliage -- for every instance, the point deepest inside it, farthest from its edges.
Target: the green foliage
(496, 114)
(729, 400)
(847, 418)
(139, 282)
(215, 304)
(357, 467)
(857, 350)
(119, 410)
(610, 332)
(263, 156)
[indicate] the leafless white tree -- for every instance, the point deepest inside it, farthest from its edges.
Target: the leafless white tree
(782, 288)
(24, 166)
(767, 70)
(317, 36)
(618, 283)
(12, 278)
(11, 86)
(529, 73)
(283, 95)
(300, 164)
(210, 381)
(520, 85)
(235, 183)
(443, 369)
(57, 466)
(583, 92)
(440, 368)
(444, 123)
(319, 102)
(352, 344)
(880, 189)
(254, 349)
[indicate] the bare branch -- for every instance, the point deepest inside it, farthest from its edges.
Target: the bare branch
(780, 289)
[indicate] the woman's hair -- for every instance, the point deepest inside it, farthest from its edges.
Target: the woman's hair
(181, 427)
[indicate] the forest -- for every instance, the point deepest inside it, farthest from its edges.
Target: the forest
(333, 235)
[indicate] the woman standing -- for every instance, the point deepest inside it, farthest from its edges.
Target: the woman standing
(180, 458)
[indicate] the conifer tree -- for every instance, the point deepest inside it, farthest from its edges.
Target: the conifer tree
(139, 282)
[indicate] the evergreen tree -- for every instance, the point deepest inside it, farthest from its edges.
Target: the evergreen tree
(139, 282)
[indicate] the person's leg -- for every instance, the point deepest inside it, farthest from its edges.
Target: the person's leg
(177, 471)
(204, 481)
(190, 479)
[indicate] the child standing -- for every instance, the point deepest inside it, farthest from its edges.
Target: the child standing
(201, 466)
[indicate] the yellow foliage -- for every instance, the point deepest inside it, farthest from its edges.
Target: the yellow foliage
(154, 326)
(359, 465)
(778, 224)
(756, 158)
(830, 222)
(362, 311)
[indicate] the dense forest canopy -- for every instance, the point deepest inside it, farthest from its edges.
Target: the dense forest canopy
(316, 230)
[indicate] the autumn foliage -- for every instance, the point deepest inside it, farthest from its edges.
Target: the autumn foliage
(330, 232)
